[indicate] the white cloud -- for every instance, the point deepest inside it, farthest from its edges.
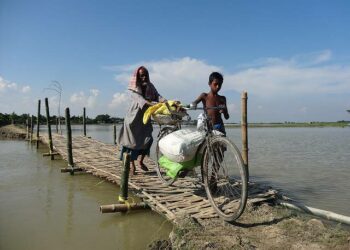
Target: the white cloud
(12, 86)
(182, 79)
(119, 103)
(302, 74)
(25, 89)
(94, 92)
(278, 88)
(268, 81)
(15, 97)
(78, 97)
(186, 78)
(119, 99)
(2, 85)
(312, 58)
(6, 85)
(82, 100)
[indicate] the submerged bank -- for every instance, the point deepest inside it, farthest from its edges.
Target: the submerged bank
(12, 132)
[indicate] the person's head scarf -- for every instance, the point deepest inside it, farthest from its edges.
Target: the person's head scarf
(135, 85)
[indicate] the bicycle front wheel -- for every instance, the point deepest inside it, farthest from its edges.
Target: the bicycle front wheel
(225, 178)
(161, 171)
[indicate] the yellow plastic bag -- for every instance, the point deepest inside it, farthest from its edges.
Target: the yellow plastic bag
(159, 108)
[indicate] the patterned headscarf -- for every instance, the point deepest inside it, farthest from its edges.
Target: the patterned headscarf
(151, 93)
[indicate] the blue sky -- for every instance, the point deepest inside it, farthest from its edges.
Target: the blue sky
(292, 57)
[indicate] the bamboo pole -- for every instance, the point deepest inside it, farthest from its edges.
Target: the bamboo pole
(56, 125)
(84, 121)
(124, 206)
(71, 168)
(125, 178)
(38, 125)
(244, 125)
(69, 140)
(27, 128)
(49, 127)
(114, 134)
(315, 211)
(113, 208)
(31, 128)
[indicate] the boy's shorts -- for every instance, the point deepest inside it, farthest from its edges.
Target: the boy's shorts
(220, 127)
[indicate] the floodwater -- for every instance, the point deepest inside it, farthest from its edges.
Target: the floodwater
(311, 165)
(40, 208)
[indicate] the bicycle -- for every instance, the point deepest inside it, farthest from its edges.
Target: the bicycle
(222, 171)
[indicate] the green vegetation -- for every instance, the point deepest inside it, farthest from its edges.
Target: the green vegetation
(13, 118)
(294, 124)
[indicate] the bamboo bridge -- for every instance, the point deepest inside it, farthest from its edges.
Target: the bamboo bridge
(186, 197)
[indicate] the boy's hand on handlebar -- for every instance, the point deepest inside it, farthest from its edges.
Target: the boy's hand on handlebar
(193, 105)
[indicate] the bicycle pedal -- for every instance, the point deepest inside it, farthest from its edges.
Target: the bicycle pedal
(183, 173)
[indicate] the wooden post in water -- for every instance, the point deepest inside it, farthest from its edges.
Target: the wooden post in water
(84, 121)
(124, 205)
(49, 128)
(71, 169)
(69, 140)
(114, 134)
(27, 127)
(113, 208)
(31, 128)
(125, 178)
(56, 125)
(38, 125)
(244, 125)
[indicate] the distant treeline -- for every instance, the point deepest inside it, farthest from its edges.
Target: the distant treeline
(13, 118)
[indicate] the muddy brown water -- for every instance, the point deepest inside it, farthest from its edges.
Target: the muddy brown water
(40, 208)
(311, 165)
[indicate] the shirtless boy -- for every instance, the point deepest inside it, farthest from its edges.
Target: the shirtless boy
(213, 99)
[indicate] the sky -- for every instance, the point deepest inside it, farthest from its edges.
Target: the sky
(292, 57)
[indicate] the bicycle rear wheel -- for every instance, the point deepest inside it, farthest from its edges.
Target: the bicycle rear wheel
(161, 171)
(225, 178)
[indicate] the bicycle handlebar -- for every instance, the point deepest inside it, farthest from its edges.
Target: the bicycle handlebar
(193, 107)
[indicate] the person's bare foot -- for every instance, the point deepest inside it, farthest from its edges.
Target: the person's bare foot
(143, 167)
(132, 169)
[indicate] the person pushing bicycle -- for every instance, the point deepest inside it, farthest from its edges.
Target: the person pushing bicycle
(220, 170)
(213, 99)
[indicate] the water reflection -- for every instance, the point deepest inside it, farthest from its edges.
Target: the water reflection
(38, 202)
(70, 210)
(49, 192)
(308, 164)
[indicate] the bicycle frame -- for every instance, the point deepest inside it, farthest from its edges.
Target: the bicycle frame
(225, 182)
(208, 128)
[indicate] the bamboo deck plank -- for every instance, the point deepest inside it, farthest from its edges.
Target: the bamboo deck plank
(185, 197)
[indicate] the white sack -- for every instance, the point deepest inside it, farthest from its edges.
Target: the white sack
(181, 145)
(200, 122)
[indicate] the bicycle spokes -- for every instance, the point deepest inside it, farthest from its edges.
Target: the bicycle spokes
(225, 181)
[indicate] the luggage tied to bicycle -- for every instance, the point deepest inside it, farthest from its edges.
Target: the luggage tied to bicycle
(173, 168)
(163, 111)
(179, 150)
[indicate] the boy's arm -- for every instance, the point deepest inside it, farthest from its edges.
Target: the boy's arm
(198, 100)
(225, 111)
